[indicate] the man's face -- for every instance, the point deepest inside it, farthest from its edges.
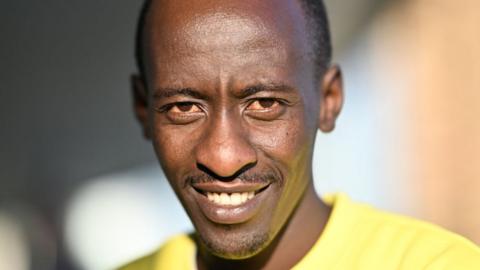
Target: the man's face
(233, 113)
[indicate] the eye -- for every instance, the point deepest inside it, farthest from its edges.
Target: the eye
(181, 113)
(263, 104)
(266, 109)
(184, 107)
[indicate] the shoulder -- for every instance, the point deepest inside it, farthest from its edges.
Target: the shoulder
(174, 254)
(416, 243)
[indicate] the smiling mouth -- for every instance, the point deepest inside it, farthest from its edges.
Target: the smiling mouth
(232, 202)
(230, 198)
(232, 193)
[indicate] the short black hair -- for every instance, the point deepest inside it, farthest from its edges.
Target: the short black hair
(317, 21)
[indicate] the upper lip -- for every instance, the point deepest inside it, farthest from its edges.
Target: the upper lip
(236, 186)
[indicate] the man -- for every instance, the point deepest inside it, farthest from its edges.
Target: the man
(232, 93)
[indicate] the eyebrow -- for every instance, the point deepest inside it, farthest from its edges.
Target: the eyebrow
(243, 93)
(270, 87)
(170, 92)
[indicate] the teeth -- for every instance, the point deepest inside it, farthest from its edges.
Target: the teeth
(245, 196)
(216, 197)
(236, 198)
(230, 199)
(224, 199)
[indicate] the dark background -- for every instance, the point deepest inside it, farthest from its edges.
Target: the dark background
(65, 100)
(65, 103)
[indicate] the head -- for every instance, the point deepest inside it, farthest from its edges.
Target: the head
(231, 93)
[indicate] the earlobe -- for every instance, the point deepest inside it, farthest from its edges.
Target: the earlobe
(331, 98)
(140, 103)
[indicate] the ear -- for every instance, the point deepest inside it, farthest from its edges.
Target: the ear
(331, 98)
(140, 103)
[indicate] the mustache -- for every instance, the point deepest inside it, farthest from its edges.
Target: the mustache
(264, 177)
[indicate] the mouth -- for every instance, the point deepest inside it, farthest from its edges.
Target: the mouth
(229, 197)
(230, 202)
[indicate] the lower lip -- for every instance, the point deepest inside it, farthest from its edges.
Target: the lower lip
(230, 214)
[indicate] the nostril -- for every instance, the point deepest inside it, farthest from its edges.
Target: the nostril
(212, 172)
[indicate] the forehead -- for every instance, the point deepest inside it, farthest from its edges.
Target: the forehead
(224, 36)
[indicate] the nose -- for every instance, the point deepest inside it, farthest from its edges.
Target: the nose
(225, 149)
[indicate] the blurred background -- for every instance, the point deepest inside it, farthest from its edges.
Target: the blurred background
(81, 189)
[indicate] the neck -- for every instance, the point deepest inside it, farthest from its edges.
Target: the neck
(290, 245)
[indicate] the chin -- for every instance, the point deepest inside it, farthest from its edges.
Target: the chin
(235, 246)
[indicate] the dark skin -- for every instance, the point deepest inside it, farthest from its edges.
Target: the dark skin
(232, 95)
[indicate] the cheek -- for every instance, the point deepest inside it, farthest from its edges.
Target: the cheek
(173, 146)
(287, 145)
(283, 140)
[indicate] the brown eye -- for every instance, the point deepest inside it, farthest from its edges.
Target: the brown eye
(262, 104)
(266, 109)
(266, 103)
(185, 107)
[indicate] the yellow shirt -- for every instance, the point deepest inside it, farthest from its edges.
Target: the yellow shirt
(357, 237)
